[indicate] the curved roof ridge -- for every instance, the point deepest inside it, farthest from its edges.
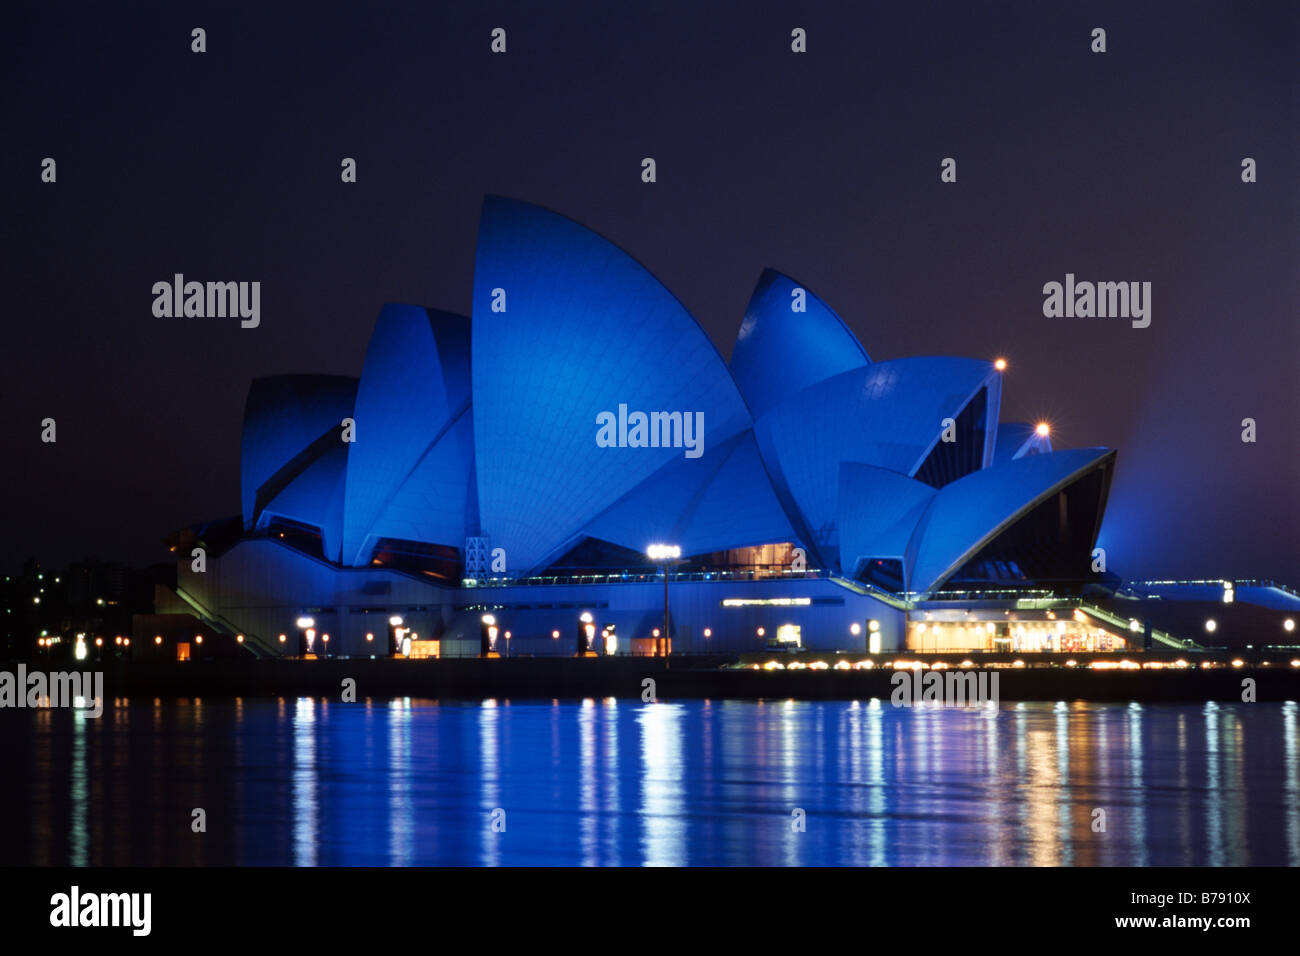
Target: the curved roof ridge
(779, 351)
(415, 380)
(614, 245)
(888, 414)
(1013, 488)
(284, 415)
(568, 327)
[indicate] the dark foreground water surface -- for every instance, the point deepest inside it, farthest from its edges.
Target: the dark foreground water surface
(408, 781)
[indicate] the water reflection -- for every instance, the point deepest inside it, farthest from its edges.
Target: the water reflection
(661, 785)
(1138, 818)
(600, 782)
(305, 843)
(401, 810)
(587, 769)
(489, 772)
(79, 833)
(1214, 796)
(1291, 783)
(610, 810)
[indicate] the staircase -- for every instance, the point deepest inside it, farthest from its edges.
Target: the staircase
(255, 644)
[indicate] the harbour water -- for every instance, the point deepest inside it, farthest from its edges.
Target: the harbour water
(704, 782)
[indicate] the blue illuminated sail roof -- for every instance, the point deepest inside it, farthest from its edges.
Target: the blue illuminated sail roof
(877, 514)
(409, 467)
(567, 326)
(889, 414)
(789, 339)
(289, 422)
(489, 427)
(968, 513)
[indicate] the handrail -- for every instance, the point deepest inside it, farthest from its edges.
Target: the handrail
(646, 577)
(1116, 620)
(1217, 582)
(253, 641)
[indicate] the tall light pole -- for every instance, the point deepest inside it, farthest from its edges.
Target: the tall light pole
(665, 554)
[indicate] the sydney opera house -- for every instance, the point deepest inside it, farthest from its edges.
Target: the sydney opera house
(543, 464)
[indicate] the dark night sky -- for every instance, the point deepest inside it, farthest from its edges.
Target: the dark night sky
(225, 166)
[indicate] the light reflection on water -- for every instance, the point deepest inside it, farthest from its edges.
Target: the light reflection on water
(411, 782)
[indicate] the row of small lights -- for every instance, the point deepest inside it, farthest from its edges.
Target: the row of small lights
(1211, 625)
(855, 629)
(940, 665)
(283, 638)
(120, 641)
(306, 623)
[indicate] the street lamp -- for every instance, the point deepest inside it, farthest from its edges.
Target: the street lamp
(586, 633)
(487, 636)
(395, 635)
(665, 554)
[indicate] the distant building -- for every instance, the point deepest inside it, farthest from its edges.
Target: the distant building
(519, 463)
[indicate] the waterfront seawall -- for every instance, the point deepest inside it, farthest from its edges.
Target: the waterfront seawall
(687, 677)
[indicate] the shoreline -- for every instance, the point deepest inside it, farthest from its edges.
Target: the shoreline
(550, 678)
